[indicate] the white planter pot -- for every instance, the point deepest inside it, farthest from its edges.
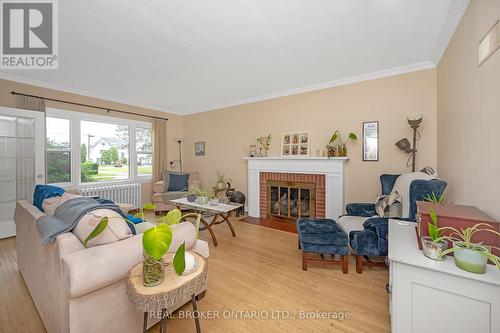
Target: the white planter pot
(470, 260)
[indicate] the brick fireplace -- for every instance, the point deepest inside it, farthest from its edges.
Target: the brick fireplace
(311, 184)
(326, 174)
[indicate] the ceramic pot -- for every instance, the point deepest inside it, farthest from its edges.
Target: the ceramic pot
(202, 200)
(433, 250)
(191, 197)
(153, 271)
(213, 202)
(470, 260)
(221, 185)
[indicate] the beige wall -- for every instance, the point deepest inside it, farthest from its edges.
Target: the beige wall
(174, 122)
(469, 113)
(228, 132)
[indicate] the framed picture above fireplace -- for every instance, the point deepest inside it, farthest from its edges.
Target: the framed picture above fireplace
(295, 144)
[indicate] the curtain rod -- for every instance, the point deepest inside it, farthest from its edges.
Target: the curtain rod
(87, 105)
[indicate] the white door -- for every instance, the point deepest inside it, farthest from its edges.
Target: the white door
(22, 161)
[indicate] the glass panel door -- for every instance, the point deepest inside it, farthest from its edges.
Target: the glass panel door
(21, 161)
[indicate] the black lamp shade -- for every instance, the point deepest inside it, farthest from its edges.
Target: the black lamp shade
(404, 145)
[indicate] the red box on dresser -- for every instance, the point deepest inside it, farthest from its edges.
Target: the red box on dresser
(459, 217)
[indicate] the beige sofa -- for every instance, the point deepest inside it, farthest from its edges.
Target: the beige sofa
(161, 196)
(78, 289)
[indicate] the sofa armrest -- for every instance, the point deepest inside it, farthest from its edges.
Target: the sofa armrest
(97, 267)
(159, 187)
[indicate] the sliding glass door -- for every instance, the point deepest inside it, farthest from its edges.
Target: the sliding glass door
(22, 161)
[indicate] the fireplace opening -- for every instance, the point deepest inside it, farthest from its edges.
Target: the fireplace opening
(291, 200)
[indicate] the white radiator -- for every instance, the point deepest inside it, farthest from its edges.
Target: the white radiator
(123, 193)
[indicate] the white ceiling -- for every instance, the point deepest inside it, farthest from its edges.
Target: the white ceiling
(190, 56)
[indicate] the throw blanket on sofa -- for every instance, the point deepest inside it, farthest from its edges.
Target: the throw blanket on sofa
(402, 187)
(68, 214)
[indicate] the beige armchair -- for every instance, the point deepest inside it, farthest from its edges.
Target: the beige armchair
(161, 196)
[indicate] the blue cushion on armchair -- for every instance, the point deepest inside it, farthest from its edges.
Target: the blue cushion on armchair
(178, 182)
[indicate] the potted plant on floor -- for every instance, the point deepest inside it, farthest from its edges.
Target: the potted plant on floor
(341, 143)
(469, 256)
(155, 243)
(432, 245)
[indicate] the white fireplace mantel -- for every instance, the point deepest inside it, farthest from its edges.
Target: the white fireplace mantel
(332, 168)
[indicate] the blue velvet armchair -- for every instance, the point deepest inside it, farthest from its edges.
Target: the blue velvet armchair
(368, 233)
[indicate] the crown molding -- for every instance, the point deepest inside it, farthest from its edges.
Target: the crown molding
(455, 14)
(324, 85)
(41, 84)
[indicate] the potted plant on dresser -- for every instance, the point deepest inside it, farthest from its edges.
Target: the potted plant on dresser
(433, 245)
(469, 256)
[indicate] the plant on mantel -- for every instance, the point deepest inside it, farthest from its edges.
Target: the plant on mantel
(338, 141)
(155, 242)
(265, 143)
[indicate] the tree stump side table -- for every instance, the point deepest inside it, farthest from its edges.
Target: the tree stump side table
(174, 291)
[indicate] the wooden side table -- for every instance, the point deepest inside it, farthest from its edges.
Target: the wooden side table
(174, 291)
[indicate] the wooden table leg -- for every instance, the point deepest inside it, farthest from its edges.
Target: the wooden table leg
(145, 322)
(226, 219)
(163, 321)
(196, 314)
(208, 227)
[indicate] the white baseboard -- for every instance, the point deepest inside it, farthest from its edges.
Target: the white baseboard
(7, 229)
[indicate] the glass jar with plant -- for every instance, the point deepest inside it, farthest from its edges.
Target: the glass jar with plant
(213, 200)
(469, 256)
(431, 247)
(201, 195)
(155, 243)
(341, 143)
(265, 143)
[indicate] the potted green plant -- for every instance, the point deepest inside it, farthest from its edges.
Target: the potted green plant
(341, 143)
(469, 256)
(201, 195)
(222, 180)
(155, 243)
(431, 246)
(265, 143)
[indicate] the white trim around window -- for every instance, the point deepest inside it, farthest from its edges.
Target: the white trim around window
(75, 138)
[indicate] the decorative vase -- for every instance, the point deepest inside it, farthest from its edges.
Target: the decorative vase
(221, 185)
(342, 150)
(202, 200)
(153, 271)
(433, 250)
(266, 150)
(332, 151)
(191, 197)
(470, 260)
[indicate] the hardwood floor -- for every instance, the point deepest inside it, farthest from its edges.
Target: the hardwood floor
(259, 270)
(274, 223)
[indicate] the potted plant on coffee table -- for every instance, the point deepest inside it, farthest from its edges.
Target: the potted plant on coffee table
(469, 256)
(432, 245)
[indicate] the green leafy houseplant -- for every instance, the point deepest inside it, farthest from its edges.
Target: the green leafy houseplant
(341, 143)
(434, 199)
(222, 180)
(431, 247)
(469, 256)
(155, 242)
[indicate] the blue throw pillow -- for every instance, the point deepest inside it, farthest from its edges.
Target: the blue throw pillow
(178, 182)
(43, 192)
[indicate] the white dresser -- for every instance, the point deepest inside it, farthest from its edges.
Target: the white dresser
(435, 296)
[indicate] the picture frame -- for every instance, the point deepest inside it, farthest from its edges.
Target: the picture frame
(295, 144)
(370, 141)
(199, 148)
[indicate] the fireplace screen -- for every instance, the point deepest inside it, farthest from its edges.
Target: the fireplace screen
(290, 200)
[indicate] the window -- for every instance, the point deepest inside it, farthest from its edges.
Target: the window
(58, 150)
(104, 151)
(144, 151)
(84, 148)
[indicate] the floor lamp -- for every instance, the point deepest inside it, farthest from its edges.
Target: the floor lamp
(179, 141)
(404, 144)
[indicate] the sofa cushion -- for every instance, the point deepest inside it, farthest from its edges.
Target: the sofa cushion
(167, 196)
(178, 182)
(43, 192)
(49, 205)
(116, 230)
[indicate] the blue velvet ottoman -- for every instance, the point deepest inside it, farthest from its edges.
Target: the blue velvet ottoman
(322, 236)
